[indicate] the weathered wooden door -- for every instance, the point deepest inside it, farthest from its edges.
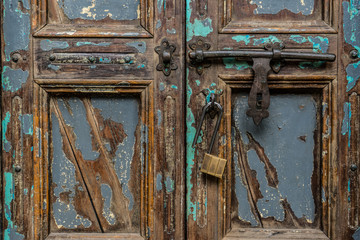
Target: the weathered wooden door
(101, 101)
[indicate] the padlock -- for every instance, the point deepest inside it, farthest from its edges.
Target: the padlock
(211, 165)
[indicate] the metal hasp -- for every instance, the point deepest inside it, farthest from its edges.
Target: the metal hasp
(259, 97)
(166, 62)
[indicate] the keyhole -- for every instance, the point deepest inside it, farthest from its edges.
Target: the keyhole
(258, 100)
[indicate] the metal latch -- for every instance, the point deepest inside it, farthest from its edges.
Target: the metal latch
(166, 62)
(259, 97)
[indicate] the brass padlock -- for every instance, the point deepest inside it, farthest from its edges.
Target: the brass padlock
(211, 165)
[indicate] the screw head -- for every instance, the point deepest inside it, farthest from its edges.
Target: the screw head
(127, 59)
(354, 54)
(15, 58)
(353, 167)
(52, 57)
(17, 168)
(92, 59)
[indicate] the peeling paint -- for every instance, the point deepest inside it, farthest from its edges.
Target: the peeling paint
(169, 185)
(158, 24)
(106, 193)
(158, 182)
(200, 27)
(352, 75)
(47, 45)
(10, 233)
(305, 7)
(171, 31)
(102, 44)
(162, 87)
(74, 114)
(101, 9)
(54, 67)
(127, 113)
(159, 120)
(356, 235)
(16, 27)
(274, 135)
(64, 177)
(174, 87)
(243, 38)
(190, 151)
(27, 123)
(139, 45)
(13, 79)
(345, 128)
(5, 122)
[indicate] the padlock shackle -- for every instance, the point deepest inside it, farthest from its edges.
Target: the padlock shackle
(206, 108)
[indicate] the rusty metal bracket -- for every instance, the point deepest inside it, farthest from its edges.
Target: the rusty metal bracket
(166, 62)
(199, 45)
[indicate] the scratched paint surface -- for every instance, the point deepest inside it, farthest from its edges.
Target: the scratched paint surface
(197, 26)
(306, 7)
(285, 170)
(101, 9)
(64, 177)
(117, 121)
(351, 19)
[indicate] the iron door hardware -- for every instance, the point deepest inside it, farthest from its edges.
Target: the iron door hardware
(166, 62)
(259, 97)
(211, 165)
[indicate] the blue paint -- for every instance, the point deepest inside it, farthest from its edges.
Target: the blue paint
(269, 39)
(26, 191)
(160, 5)
(298, 39)
(305, 7)
(351, 19)
(27, 124)
(291, 116)
(171, 31)
(139, 45)
(106, 193)
(140, 66)
(158, 182)
(162, 87)
(352, 75)
(102, 44)
(356, 235)
(158, 24)
(10, 233)
(159, 118)
(174, 87)
(345, 128)
(200, 27)
(349, 190)
(169, 185)
(54, 67)
(101, 9)
(13, 79)
(47, 45)
(5, 122)
(126, 112)
(243, 38)
(16, 27)
(74, 114)
(244, 209)
(64, 178)
(105, 60)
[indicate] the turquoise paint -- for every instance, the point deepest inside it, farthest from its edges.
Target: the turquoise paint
(200, 27)
(140, 66)
(232, 63)
(158, 182)
(349, 190)
(10, 232)
(169, 185)
(298, 39)
(345, 128)
(26, 191)
(47, 45)
(5, 122)
(174, 87)
(171, 31)
(190, 151)
(352, 75)
(104, 60)
(16, 27)
(269, 39)
(13, 79)
(243, 38)
(160, 5)
(27, 124)
(53, 67)
(197, 82)
(103, 44)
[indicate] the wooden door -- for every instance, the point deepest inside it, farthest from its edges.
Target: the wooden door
(295, 175)
(92, 125)
(97, 133)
